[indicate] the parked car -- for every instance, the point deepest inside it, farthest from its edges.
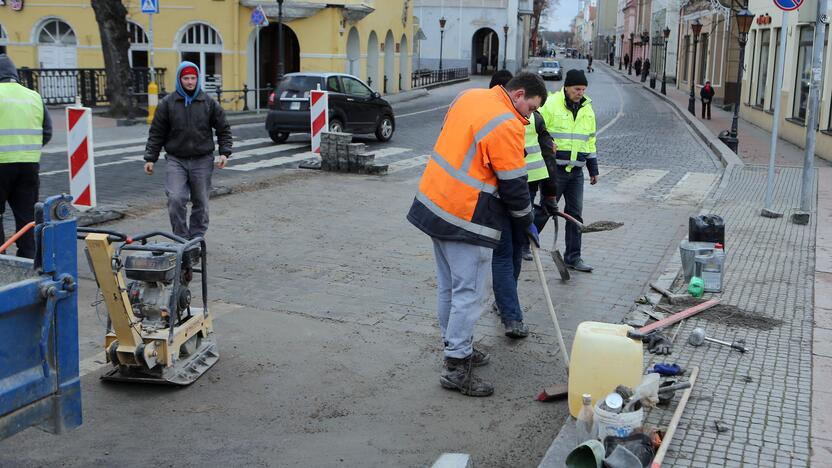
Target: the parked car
(353, 106)
(550, 69)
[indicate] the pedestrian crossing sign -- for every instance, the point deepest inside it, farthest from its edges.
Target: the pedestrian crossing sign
(150, 6)
(258, 17)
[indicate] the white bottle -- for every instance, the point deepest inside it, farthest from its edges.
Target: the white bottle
(584, 427)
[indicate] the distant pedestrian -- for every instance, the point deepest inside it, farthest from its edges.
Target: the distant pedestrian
(183, 125)
(25, 127)
(611, 58)
(589, 63)
(626, 60)
(645, 70)
(707, 95)
(637, 66)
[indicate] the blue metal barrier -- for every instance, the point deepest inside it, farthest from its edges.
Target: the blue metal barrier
(39, 382)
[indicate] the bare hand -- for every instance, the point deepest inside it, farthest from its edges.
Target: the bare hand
(222, 161)
(148, 168)
(593, 180)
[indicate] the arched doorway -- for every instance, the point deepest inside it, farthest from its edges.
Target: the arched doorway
(139, 46)
(270, 58)
(372, 60)
(404, 60)
(56, 45)
(389, 85)
(485, 51)
(353, 52)
(201, 44)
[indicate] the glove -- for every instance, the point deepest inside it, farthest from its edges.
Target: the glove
(534, 236)
(550, 206)
(667, 370)
(658, 343)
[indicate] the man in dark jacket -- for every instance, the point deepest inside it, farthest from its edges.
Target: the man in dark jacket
(183, 124)
(25, 127)
(707, 95)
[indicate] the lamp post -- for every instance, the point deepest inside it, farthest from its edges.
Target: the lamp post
(645, 41)
(744, 20)
(696, 27)
(666, 33)
(505, 47)
(654, 64)
(620, 58)
(442, 22)
(630, 65)
(280, 67)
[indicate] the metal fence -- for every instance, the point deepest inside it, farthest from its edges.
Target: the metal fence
(62, 85)
(422, 78)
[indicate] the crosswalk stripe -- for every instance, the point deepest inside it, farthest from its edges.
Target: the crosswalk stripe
(387, 152)
(272, 162)
(408, 163)
(637, 183)
(692, 187)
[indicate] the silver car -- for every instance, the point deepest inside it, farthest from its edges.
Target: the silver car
(550, 70)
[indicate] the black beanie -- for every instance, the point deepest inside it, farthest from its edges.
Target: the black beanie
(575, 78)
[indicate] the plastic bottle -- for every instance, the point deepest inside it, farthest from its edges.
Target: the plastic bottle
(584, 424)
(712, 269)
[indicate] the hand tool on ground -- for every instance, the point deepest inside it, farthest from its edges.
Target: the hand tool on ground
(556, 255)
(154, 334)
(677, 317)
(698, 338)
(671, 298)
(554, 391)
(674, 422)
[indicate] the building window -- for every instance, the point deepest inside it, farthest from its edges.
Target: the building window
(804, 72)
(4, 40)
(762, 68)
(686, 60)
(776, 64)
(139, 46)
(752, 48)
(702, 66)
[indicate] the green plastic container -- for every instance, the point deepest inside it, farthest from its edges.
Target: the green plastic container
(696, 287)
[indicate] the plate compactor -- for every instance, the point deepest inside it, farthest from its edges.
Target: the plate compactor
(154, 334)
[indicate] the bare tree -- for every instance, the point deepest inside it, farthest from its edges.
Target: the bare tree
(111, 16)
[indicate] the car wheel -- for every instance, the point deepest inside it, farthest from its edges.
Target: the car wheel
(336, 126)
(384, 131)
(278, 137)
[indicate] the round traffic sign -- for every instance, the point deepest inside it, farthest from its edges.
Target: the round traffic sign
(788, 5)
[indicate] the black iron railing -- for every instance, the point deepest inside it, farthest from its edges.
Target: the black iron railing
(63, 85)
(422, 78)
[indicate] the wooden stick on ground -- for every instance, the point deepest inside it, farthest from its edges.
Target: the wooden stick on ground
(678, 317)
(677, 415)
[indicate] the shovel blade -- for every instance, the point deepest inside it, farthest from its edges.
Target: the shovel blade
(561, 265)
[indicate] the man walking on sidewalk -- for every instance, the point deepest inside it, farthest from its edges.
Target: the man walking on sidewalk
(183, 125)
(571, 122)
(475, 179)
(25, 127)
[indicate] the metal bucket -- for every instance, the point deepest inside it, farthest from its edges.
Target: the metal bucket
(688, 251)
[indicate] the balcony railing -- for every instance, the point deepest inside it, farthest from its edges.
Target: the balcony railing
(62, 85)
(423, 78)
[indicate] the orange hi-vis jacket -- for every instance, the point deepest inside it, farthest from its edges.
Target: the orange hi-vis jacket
(477, 172)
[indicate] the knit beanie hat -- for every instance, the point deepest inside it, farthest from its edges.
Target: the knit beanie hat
(188, 70)
(575, 78)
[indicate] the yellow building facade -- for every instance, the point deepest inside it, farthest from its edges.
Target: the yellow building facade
(371, 39)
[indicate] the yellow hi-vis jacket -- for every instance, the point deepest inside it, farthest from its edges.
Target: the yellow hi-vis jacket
(535, 165)
(21, 124)
(573, 135)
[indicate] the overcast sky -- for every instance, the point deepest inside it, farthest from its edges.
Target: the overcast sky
(561, 15)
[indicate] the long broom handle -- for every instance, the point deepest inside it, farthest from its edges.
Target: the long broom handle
(539, 265)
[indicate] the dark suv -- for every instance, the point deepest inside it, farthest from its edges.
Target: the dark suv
(353, 106)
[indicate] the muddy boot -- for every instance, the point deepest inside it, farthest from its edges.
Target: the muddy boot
(478, 357)
(459, 375)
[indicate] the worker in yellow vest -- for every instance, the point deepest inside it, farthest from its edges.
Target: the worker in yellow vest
(506, 262)
(25, 127)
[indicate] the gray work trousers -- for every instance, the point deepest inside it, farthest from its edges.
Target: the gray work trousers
(188, 179)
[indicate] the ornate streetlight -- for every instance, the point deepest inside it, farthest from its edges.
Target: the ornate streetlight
(630, 65)
(666, 33)
(620, 57)
(744, 20)
(280, 67)
(696, 27)
(505, 50)
(442, 22)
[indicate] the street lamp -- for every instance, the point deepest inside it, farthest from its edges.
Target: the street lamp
(630, 65)
(505, 52)
(666, 33)
(442, 22)
(645, 40)
(280, 67)
(744, 20)
(696, 26)
(620, 58)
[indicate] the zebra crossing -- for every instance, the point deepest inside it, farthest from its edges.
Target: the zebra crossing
(617, 185)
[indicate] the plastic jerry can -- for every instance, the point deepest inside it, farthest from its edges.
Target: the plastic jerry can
(711, 268)
(602, 358)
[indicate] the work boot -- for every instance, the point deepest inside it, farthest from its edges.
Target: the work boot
(527, 254)
(480, 358)
(517, 329)
(459, 375)
(580, 266)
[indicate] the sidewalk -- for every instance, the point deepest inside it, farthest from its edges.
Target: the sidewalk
(768, 410)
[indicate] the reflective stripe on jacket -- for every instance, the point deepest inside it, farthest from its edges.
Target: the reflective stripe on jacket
(574, 135)
(21, 124)
(535, 165)
(476, 173)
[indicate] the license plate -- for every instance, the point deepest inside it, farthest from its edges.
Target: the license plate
(294, 105)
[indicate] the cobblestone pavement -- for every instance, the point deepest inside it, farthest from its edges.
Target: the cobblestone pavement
(762, 398)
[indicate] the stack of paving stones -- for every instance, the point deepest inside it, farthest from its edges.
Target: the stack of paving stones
(340, 154)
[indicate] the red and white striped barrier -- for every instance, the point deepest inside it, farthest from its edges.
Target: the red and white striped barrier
(80, 154)
(319, 116)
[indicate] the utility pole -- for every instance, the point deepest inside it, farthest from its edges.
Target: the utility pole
(802, 216)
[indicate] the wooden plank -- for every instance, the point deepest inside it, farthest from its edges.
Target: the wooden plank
(678, 317)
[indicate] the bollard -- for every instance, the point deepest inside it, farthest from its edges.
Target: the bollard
(152, 101)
